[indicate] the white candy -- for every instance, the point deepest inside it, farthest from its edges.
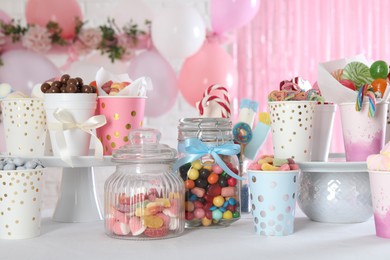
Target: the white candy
(19, 162)
(5, 89)
(9, 167)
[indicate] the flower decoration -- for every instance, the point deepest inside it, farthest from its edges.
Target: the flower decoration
(109, 39)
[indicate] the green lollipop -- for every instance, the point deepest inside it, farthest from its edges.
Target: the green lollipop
(379, 69)
(358, 73)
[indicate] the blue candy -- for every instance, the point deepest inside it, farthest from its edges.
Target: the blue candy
(232, 201)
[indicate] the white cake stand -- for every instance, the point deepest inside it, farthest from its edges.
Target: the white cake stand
(77, 201)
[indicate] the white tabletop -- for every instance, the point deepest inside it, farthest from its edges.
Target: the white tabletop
(311, 240)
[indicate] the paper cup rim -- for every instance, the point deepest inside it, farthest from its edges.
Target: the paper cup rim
(22, 171)
(293, 101)
(273, 172)
(126, 97)
(354, 103)
(379, 172)
(21, 99)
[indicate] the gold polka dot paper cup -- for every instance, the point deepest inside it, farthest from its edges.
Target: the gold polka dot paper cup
(24, 122)
(20, 203)
(292, 129)
(123, 114)
(273, 200)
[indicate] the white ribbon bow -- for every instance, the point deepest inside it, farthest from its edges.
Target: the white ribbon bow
(66, 122)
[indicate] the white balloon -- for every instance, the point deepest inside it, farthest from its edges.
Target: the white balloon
(178, 31)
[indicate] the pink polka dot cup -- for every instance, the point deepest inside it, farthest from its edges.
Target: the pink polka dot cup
(123, 114)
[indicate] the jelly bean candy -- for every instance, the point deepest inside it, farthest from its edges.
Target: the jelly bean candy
(196, 164)
(189, 206)
(199, 192)
(227, 214)
(232, 181)
(156, 232)
(199, 213)
(228, 191)
(193, 174)
(217, 214)
(218, 201)
(189, 184)
(206, 221)
(214, 190)
(204, 173)
(213, 178)
(217, 169)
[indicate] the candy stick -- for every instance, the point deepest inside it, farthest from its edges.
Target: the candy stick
(259, 136)
(207, 107)
(248, 109)
(372, 103)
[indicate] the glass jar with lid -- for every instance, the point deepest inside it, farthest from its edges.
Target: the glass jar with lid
(144, 197)
(208, 165)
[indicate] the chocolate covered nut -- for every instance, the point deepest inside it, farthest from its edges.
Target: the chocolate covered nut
(65, 78)
(45, 87)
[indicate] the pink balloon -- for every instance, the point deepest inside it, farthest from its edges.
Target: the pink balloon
(210, 65)
(165, 89)
(4, 17)
(23, 69)
(40, 12)
(227, 15)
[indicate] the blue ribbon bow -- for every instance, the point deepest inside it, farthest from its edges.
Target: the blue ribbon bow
(196, 149)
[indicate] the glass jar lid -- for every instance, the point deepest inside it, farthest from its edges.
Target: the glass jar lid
(206, 129)
(144, 147)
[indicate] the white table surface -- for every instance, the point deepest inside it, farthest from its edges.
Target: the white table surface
(311, 240)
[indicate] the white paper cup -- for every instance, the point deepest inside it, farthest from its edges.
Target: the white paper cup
(292, 128)
(81, 107)
(20, 203)
(362, 134)
(322, 131)
(24, 126)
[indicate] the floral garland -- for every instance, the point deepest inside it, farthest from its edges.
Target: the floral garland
(117, 43)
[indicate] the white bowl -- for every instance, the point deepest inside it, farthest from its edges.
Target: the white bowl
(335, 192)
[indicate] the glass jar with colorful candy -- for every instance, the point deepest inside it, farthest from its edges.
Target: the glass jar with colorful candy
(209, 167)
(144, 197)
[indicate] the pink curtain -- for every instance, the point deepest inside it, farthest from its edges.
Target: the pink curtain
(289, 38)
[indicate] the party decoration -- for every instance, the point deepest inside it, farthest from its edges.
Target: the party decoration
(379, 69)
(210, 65)
(111, 40)
(165, 87)
(178, 31)
(4, 17)
(23, 69)
(65, 13)
(227, 15)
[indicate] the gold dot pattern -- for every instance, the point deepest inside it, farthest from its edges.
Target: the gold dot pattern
(25, 126)
(20, 198)
(291, 124)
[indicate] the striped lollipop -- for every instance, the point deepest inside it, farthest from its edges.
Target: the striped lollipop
(212, 101)
(366, 90)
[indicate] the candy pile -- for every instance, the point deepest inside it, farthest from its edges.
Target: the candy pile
(11, 164)
(356, 74)
(66, 84)
(211, 195)
(113, 88)
(295, 90)
(269, 163)
(145, 215)
(370, 82)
